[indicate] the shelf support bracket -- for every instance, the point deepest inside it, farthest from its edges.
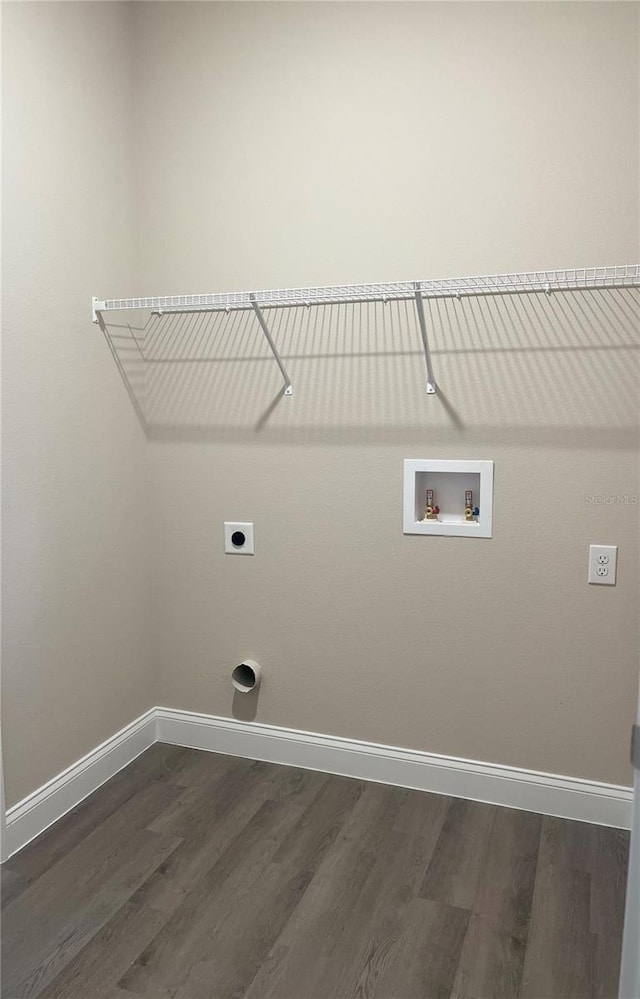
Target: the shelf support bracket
(431, 382)
(288, 387)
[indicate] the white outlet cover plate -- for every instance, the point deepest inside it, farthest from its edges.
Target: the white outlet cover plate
(603, 563)
(230, 528)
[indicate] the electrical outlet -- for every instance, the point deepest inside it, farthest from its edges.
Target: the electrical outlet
(238, 538)
(603, 560)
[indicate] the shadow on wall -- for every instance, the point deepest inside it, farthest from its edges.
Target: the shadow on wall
(559, 370)
(244, 707)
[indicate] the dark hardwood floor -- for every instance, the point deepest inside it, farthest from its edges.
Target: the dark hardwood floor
(197, 876)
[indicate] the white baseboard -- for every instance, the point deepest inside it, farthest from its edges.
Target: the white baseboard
(567, 797)
(35, 813)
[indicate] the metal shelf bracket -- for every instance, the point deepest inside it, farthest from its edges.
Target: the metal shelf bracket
(288, 387)
(431, 382)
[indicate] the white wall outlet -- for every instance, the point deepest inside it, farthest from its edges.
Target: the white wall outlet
(238, 539)
(603, 562)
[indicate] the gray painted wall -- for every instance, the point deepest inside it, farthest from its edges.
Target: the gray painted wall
(215, 146)
(315, 143)
(76, 661)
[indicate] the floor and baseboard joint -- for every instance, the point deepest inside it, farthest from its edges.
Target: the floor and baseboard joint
(512, 787)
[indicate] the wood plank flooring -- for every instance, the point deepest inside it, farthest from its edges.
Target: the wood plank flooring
(197, 876)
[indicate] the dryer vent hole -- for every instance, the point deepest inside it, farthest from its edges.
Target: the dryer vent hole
(244, 677)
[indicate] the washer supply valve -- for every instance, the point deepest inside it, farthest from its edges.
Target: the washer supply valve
(432, 511)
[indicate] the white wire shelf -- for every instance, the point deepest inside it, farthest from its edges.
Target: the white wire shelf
(517, 283)
(572, 279)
